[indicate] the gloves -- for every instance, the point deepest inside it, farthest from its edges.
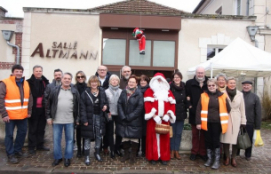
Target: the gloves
(166, 118)
(157, 120)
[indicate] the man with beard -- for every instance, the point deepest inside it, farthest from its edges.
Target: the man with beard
(126, 71)
(159, 109)
(56, 82)
(194, 88)
(37, 121)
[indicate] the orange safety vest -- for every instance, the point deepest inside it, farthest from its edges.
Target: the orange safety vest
(13, 105)
(223, 113)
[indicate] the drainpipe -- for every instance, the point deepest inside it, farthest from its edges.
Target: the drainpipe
(18, 51)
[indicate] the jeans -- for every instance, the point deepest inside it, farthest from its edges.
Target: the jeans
(69, 133)
(175, 141)
(20, 137)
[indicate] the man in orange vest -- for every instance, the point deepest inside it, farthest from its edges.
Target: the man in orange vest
(15, 107)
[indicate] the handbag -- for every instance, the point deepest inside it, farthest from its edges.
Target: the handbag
(162, 128)
(243, 140)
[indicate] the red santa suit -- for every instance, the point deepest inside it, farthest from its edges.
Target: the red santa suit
(159, 108)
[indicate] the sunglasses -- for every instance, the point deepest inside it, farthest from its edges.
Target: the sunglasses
(211, 85)
(80, 77)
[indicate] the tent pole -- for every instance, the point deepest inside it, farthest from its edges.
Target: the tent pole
(211, 70)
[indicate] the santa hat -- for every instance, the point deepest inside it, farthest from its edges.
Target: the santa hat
(159, 76)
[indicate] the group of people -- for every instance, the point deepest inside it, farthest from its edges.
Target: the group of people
(122, 114)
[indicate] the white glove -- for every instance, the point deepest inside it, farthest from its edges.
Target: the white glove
(166, 118)
(157, 120)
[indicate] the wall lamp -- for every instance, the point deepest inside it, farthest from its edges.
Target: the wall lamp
(252, 31)
(7, 34)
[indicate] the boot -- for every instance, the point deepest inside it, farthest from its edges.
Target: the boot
(210, 158)
(177, 155)
(226, 161)
(217, 158)
(132, 155)
(97, 155)
(126, 148)
(233, 162)
(87, 158)
(172, 154)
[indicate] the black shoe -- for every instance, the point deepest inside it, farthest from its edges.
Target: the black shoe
(163, 162)
(153, 162)
(67, 162)
(117, 152)
(193, 157)
(56, 162)
(12, 159)
(112, 154)
(79, 155)
(97, 155)
(203, 157)
(248, 158)
(32, 152)
(143, 154)
(43, 148)
(22, 155)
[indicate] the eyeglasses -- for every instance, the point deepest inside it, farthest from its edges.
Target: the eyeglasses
(211, 85)
(80, 77)
(102, 69)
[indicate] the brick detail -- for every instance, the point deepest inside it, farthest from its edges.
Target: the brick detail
(6, 65)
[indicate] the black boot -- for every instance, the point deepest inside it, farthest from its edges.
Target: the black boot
(126, 148)
(217, 158)
(133, 153)
(210, 158)
(97, 155)
(87, 158)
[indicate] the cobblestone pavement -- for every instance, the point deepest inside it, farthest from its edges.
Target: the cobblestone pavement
(41, 163)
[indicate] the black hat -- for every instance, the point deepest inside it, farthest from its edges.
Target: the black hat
(247, 82)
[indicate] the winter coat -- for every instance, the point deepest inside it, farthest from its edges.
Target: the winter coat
(181, 101)
(237, 117)
(193, 90)
(253, 109)
(51, 106)
(37, 93)
(130, 119)
(47, 91)
(106, 81)
(144, 122)
(87, 111)
(123, 83)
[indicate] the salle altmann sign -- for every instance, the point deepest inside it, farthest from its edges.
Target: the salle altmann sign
(63, 50)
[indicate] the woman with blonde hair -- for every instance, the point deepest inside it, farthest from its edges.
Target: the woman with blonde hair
(112, 93)
(93, 105)
(221, 80)
(237, 118)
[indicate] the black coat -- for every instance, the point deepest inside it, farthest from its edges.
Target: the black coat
(181, 101)
(144, 122)
(87, 111)
(106, 81)
(193, 90)
(37, 88)
(130, 119)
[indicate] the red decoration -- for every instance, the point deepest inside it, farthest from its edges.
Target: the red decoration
(140, 36)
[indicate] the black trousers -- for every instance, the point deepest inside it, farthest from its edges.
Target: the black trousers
(79, 138)
(108, 139)
(212, 135)
(36, 129)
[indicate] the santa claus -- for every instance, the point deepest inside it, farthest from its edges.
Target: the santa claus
(159, 108)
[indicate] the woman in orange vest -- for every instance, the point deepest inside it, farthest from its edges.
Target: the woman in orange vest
(212, 117)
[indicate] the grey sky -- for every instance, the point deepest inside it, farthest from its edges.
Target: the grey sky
(15, 7)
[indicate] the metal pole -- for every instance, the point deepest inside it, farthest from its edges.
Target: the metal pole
(18, 51)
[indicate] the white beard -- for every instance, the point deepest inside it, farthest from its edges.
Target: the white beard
(160, 90)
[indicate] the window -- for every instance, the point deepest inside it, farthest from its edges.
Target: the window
(120, 48)
(114, 51)
(212, 51)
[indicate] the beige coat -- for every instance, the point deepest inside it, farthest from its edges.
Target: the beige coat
(236, 118)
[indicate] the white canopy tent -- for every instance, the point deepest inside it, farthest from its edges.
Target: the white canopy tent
(238, 58)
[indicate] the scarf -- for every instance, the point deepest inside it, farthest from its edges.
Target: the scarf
(114, 90)
(177, 88)
(81, 87)
(222, 89)
(231, 93)
(144, 88)
(130, 92)
(200, 81)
